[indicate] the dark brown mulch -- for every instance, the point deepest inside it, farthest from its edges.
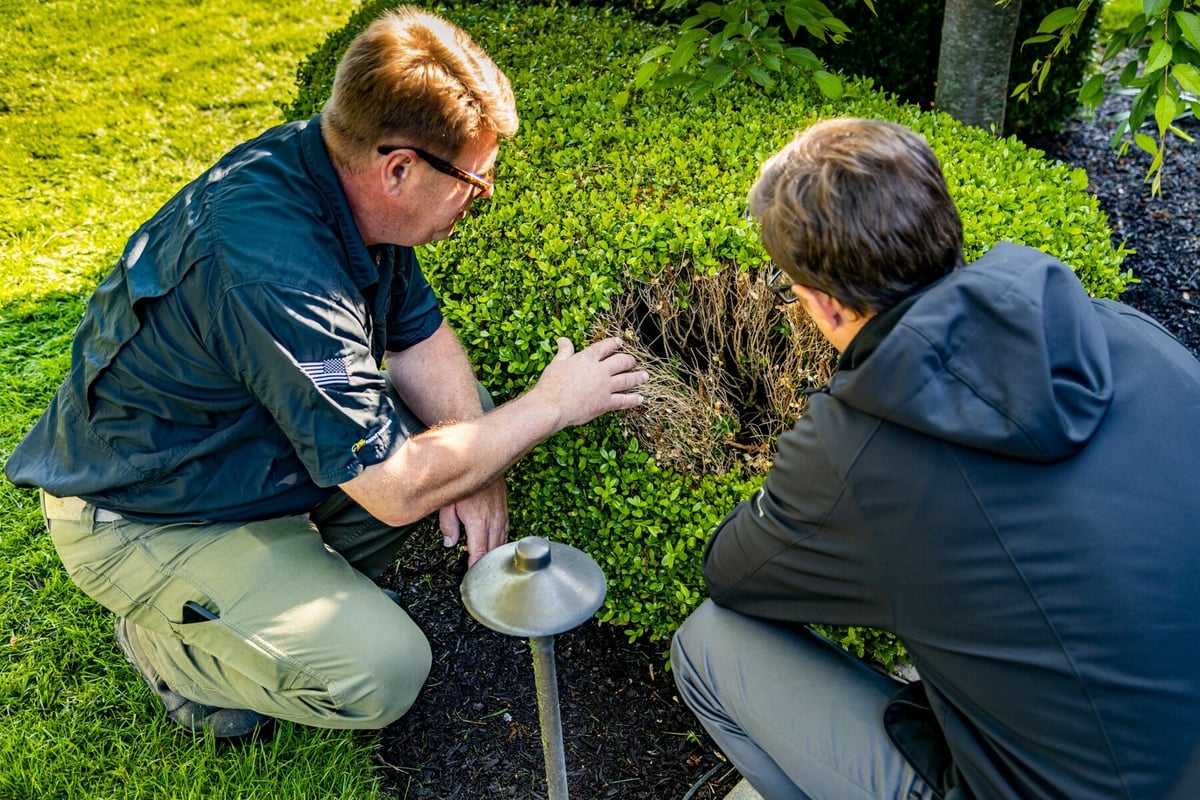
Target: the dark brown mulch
(474, 732)
(1163, 231)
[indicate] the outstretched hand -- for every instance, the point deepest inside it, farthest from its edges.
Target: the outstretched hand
(582, 385)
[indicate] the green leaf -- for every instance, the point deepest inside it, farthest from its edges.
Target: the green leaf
(1165, 111)
(682, 55)
(1117, 44)
(1189, 26)
(717, 43)
(644, 74)
(1091, 94)
(1146, 142)
(1057, 19)
(1161, 54)
(1079, 178)
(1181, 133)
(1155, 8)
(717, 74)
(1188, 77)
(829, 84)
(655, 53)
(758, 75)
(802, 57)
(795, 16)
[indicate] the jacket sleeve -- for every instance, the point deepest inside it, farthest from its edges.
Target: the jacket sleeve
(799, 550)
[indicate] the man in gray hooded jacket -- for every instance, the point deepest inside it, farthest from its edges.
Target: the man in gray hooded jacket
(1002, 471)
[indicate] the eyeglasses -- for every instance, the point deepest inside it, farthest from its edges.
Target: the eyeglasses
(781, 284)
(484, 184)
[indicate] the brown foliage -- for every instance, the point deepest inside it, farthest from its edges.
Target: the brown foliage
(729, 364)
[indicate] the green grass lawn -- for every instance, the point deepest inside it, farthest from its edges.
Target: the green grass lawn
(107, 107)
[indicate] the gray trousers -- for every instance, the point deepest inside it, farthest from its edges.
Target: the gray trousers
(798, 716)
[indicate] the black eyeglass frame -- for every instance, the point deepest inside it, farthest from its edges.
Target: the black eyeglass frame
(441, 165)
(782, 291)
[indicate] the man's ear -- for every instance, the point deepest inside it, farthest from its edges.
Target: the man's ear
(395, 170)
(825, 311)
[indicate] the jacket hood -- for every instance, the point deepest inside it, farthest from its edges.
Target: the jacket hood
(1006, 355)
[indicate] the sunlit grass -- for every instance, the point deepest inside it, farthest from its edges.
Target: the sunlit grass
(1116, 14)
(107, 108)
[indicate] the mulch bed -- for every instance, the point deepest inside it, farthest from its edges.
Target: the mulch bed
(474, 731)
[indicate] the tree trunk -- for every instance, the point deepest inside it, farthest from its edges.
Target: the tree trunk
(977, 45)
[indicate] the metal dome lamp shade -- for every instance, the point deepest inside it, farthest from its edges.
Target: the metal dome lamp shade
(535, 588)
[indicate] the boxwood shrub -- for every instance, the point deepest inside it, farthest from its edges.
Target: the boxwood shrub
(596, 193)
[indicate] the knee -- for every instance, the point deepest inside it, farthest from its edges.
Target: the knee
(694, 634)
(688, 649)
(385, 679)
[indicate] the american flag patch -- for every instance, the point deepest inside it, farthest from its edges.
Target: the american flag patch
(326, 373)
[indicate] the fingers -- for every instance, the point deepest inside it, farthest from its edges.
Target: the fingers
(605, 348)
(484, 516)
(566, 349)
(627, 380)
(450, 525)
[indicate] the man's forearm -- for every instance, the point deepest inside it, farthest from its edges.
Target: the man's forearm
(435, 380)
(450, 462)
(439, 467)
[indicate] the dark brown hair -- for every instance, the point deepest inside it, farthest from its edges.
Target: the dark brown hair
(858, 209)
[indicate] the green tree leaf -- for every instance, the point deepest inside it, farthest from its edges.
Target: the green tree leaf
(1189, 26)
(829, 84)
(644, 74)
(1188, 77)
(1161, 54)
(759, 75)
(1165, 111)
(655, 53)
(802, 57)
(1057, 19)
(1155, 8)
(1146, 142)
(1092, 92)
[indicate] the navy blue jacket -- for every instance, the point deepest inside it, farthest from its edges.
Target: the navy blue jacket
(229, 366)
(1010, 482)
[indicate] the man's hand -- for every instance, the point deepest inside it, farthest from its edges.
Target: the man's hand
(484, 516)
(467, 460)
(582, 386)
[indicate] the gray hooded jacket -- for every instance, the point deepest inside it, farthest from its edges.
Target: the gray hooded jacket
(1011, 484)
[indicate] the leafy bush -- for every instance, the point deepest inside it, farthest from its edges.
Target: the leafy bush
(594, 197)
(899, 48)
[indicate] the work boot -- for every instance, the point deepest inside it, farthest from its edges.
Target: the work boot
(229, 724)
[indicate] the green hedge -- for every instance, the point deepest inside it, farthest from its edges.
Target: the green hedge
(592, 197)
(899, 46)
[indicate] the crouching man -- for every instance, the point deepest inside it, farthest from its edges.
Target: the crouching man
(1002, 471)
(227, 469)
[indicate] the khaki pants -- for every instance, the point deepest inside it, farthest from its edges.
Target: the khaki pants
(283, 615)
